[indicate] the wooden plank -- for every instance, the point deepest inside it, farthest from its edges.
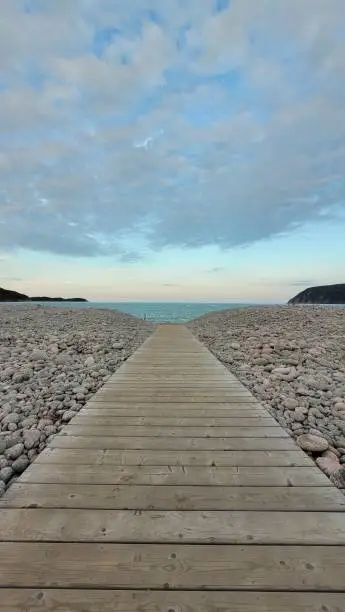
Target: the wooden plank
(213, 459)
(179, 497)
(177, 444)
(89, 600)
(198, 527)
(172, 421)
(175, 396)
(185, 409)
(157, 410)
(142, 385)
(107, 397)
(163, 566)
(178, 432)
(175, 475)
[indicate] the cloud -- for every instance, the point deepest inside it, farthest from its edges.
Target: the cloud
(211, 123)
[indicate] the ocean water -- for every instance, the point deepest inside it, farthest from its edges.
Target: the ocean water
(178, 312)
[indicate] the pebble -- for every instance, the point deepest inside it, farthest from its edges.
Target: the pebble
(327, 465)
(6, 473)
(14, 451)
(338, 478)
(20, 464)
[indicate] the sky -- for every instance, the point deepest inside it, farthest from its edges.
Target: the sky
(172, 150)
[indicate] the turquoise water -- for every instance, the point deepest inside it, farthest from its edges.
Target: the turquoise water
(151, 311)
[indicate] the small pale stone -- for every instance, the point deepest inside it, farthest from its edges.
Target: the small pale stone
(234, 345)
(13, 417)
(68, 415)
(338, 478)
(299, 415)
(290, 403)
(31, 438)
(329, 454)
(327, 465)
(312, 444)
(38, 355)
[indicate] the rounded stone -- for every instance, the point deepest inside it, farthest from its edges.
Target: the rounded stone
(6, 474)
(338, 478)
(15, 451)
(312, 443)
(38, 355)
(20, 464)
(68, 415)
(31, 438)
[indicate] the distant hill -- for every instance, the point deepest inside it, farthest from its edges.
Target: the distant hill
(12, 296)
(56, 299)
(325, 294)
(6, 295)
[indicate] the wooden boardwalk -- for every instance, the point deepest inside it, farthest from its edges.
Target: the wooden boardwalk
(173, 490)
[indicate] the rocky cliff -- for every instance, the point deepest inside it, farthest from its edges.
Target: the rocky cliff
(325, 294)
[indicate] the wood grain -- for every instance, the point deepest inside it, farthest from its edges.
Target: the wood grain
(89, 600)
(175, 475)
(173, 566)
(187, 458)
(198, 527)
(181, 497)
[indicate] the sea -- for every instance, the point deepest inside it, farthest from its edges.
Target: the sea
(178, 312)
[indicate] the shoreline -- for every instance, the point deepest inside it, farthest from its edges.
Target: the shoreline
(293, 361)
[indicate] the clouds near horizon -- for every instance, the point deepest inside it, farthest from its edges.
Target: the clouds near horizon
(151, 124)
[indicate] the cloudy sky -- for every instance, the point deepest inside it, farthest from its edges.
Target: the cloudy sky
(172, 149)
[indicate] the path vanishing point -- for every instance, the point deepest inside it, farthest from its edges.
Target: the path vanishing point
(172, 490)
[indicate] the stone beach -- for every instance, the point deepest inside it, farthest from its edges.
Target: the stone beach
(292, 358)
(52, 361)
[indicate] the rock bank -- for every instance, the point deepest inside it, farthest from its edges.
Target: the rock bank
(51, 362)
(292, 358)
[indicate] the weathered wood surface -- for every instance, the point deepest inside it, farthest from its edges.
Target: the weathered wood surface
(181, 497)
(212, 459)
(172, 478)
(176, 475)
(68, 600)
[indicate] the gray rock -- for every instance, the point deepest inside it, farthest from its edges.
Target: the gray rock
(20, 464)
(2, 445)
(338, 478)
(31, 438)
(68, 415)
(13, 417)
(312, 444)
(14, 451)
(2, 488)
(6, 474)
(38, 355)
